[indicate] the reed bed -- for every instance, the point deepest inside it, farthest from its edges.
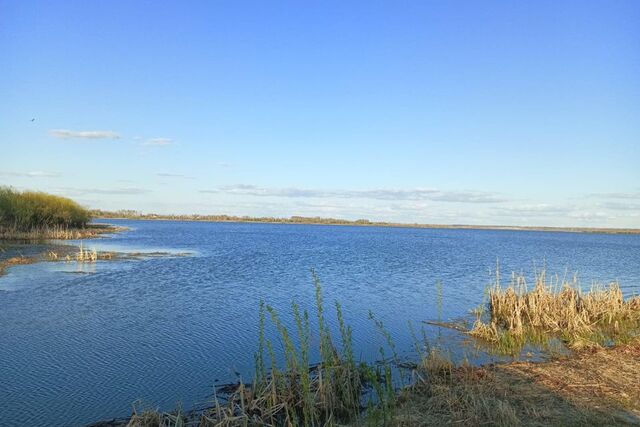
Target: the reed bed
(557, 308)
(27, 210)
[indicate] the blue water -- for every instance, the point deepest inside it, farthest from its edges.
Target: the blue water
(80, 344)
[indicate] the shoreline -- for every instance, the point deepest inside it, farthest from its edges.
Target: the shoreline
(34, 237)
(598, 386)
(589, 387)
(92, 231)
(364, 223)
(593, 384)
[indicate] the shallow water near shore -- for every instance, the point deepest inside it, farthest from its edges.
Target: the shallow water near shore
(82, 343)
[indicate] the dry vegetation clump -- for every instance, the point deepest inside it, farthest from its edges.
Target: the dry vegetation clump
(555, 308)
(592, 387)
(18, 260)
(57, 233)
(86, 255)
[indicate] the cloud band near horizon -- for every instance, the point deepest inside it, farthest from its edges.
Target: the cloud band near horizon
(375, 194)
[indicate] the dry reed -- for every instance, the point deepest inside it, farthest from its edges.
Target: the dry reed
(557, 308)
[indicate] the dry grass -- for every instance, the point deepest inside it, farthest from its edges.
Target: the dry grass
(57, 232)
(557, 308)
(18, 260)
(592, 387)
(86, 255)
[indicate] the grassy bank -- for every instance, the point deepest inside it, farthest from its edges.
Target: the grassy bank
(594, 387)
(58, 233)
(598, 384)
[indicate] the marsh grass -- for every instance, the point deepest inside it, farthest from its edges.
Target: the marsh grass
(86, 255)
(59, 232)
(556, 308)
(301, 393)
(336, 390)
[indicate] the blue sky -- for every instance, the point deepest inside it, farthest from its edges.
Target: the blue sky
(430, 111)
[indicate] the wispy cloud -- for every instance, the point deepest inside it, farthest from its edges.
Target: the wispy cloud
(590, 215)
(125, 191)
(618, 206)
(158, 142)
(375, 194)
(32, 174)
(173, 175)
(533, 210)
(83, 134)
(543, 212)
(616, 195)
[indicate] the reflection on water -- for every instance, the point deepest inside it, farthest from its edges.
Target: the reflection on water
(82, 341)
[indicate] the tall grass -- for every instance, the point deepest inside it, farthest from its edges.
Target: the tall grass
(30, 210)
(302, 393)
(559, 308)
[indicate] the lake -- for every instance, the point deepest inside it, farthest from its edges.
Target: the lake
(81, 343)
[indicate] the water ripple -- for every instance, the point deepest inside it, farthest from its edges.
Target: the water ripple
(75, 348)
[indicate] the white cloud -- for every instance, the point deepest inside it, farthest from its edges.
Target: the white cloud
(375, 194)
(616, 195)
(173, 175)
(125, 191)
(85, 134)
(618, 206)
(533, 210)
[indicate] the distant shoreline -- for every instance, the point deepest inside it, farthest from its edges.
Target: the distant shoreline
(360, 223)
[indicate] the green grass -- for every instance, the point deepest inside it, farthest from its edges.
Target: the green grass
(335, 390)
(25, 211)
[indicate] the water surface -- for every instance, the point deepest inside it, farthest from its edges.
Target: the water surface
(82, 343)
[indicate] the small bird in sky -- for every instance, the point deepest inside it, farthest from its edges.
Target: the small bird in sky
(33, 120)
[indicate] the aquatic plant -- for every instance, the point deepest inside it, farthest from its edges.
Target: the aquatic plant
(86, 255)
